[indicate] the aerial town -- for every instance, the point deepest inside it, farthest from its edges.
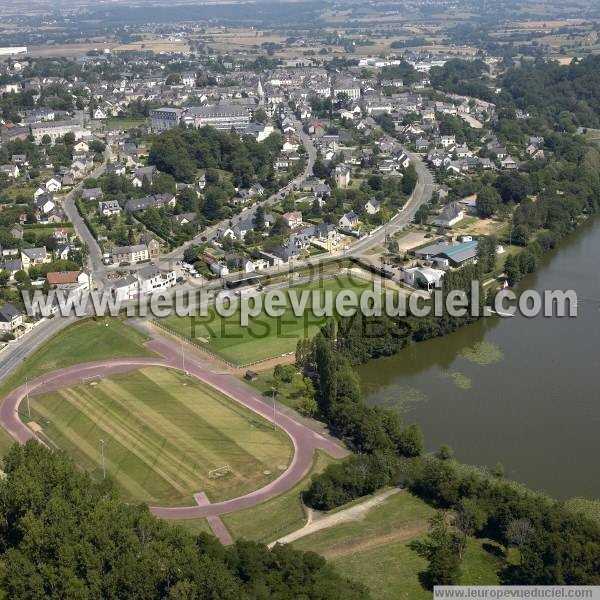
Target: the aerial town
(419, 149)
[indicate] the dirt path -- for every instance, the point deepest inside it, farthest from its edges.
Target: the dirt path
(404, 534)
(305, 441)
(353, 513)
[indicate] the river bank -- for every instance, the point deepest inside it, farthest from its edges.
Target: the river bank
(520, 391)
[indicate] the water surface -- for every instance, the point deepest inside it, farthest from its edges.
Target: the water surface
(521, 391)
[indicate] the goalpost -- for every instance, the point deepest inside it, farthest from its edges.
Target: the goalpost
(219, 472)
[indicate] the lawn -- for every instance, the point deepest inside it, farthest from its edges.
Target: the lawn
(291, 394)
(84, 341)
(265, 337)
(123, 123)
(277, 517)
(194, 526)
(375, 551)
(163, 433)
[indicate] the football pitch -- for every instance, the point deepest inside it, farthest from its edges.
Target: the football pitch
(265, 337)
(165, 436)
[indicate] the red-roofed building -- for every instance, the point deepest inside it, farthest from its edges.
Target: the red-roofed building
(74, 282)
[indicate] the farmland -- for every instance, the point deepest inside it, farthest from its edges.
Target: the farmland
(162, 433)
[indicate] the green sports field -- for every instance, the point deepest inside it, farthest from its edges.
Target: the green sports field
(265, 337)
(163, 433)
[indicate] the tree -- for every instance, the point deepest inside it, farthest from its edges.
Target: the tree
(445, 452)
(470, 518)
(190, 254)
(260, 116)
(519, 532)
(486, 253)
(441, 548)
(512, 270)
(69, 138)
(409, 181)
(488, 201)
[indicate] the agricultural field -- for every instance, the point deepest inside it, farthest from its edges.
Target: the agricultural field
(265, 337)
(163, 436)
(374, 550)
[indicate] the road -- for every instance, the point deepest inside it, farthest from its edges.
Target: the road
(81, 229)
(14, 355)
(421, 195)
(210, 232)
(304, 439)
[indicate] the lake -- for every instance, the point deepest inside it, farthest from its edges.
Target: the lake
(521, 391)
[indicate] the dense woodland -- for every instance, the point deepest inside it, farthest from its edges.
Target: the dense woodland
(64, 536)
(181, 152)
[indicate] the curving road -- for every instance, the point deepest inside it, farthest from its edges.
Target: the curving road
(304, 439)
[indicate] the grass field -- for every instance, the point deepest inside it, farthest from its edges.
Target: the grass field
(85, 341)
(123, 124)
(277, 517)
(163, 432)
(374, 550)
(265, 337)
(291, 394)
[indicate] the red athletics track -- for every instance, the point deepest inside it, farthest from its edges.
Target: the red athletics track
(304, 439)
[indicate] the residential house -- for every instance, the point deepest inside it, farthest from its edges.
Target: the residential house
(91, 194)
(35, 257)
(53, 185)
(450, 215)
(75, 283)
(130, 254)
(183, 218)
(109, 208)
(11, 319)
(153, 201)
(293, 219)
(348, 221)
(373, 206)
(342, 176)
(152, 280)
(11, 171)
(142, 173)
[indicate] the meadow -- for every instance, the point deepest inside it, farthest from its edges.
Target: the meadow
(374, 550)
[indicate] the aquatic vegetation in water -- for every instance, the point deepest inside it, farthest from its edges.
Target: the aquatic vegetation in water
(399, 397)
(483, 353)
(461, 381)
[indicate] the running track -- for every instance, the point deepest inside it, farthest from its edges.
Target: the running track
(304, 439)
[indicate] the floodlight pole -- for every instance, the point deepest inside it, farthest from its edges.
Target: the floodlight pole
(183, 358)
(102, 453)
(273, 397)
(27, 396)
